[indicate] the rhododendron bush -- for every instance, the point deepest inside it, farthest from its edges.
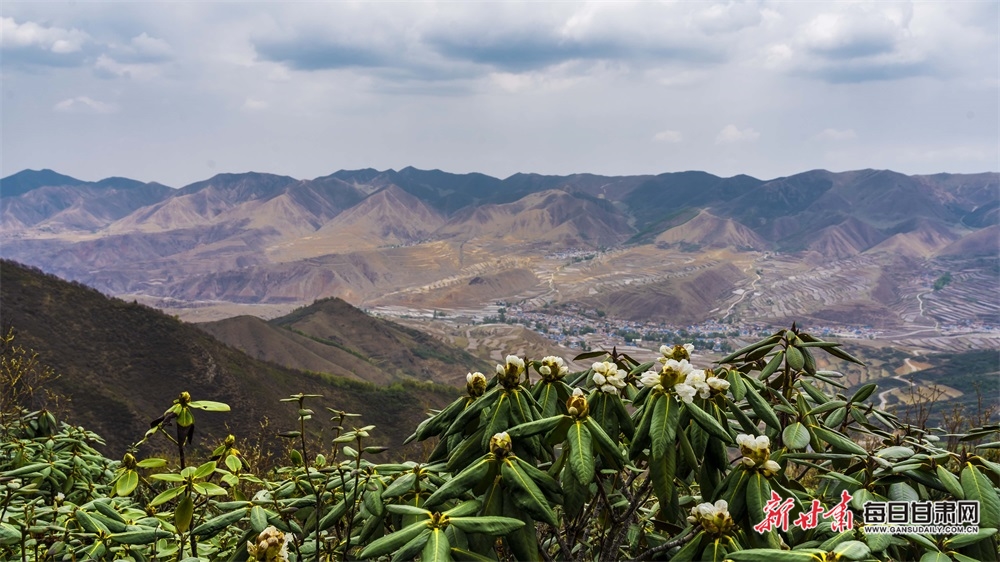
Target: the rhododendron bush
(760, 457)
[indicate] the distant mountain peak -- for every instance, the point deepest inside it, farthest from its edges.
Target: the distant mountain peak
(28, 180)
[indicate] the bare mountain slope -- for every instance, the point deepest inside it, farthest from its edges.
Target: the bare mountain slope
(551, 216)
(388, 217)
(674, 301)
(708, 231)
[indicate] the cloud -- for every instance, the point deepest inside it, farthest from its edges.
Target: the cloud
(854, 43)
(668, 136)
(144, 49)
(851, 34)
(728, 17)
(253, 104)
(34, 44)
(836, 134)
(730, 134)
(83, 104)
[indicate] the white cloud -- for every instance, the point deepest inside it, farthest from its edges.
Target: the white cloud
(253, 104)
(151, 47)
(668, 136)
(731, 133)
(729, 17)
(30, 34)
(83, 104)
(836, 134)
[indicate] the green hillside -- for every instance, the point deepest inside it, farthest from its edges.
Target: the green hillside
(121, 365)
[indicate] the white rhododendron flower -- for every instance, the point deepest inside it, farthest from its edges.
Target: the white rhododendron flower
(271, 546)
(608, 377)
(771, 468)
(554, 362)
(758, 443)
(515, 360)
(650, 379)
(756, 451)
(717, 384)
(676, 352)
(714, 518)
(686, 392)
(471, 377)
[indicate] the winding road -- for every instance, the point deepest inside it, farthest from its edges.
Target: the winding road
(882, 396)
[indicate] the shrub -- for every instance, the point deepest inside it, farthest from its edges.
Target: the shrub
(747, 461)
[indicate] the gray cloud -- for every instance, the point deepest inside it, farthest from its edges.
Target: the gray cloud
(305, 88)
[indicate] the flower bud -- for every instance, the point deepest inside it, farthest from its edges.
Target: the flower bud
(500, 444)
(509, 373)
(475, 384)
(577, 405)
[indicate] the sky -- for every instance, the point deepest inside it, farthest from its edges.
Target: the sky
(177, 92)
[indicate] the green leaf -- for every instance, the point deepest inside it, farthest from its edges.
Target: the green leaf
(895, 453)
(217, 524)
(838, 441)
(752, 347)
(127, 483)
(775, 555)
(410, 549)
(167, 495)
(392, 542)
(795, 436)
(758, 494)
(715, 551)
(185, 418)
(151, 463)
(979, 488)
(258, 518)
(543, 425)
(962, 541)
(28, 470)
(708, 422)
(498, 419)
(772, 365)
(950, 481)
(400, 486)
(209, 406)
(183, 513)
(688, 552)
(204, 470)
(608, 448)
(864, 392)
(437, 548)
(762, 408)
(526, 494)
(468, 555)
(794, 358)
(487, 525)
(464, 509)
(852, 550)
(404, 509)
(590, 355)
(144, 536)
(89, 524)
(581, 453)
(826, 407)
(935, 557)
(663, 425)
(462, 482)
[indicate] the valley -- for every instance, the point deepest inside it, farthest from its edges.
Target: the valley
(533, 264)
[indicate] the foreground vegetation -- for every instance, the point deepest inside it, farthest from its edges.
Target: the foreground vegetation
(658, 460)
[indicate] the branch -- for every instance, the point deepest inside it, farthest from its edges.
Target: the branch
(668, 545)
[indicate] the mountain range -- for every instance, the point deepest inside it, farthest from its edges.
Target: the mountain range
(372, 237)
(120, 364)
